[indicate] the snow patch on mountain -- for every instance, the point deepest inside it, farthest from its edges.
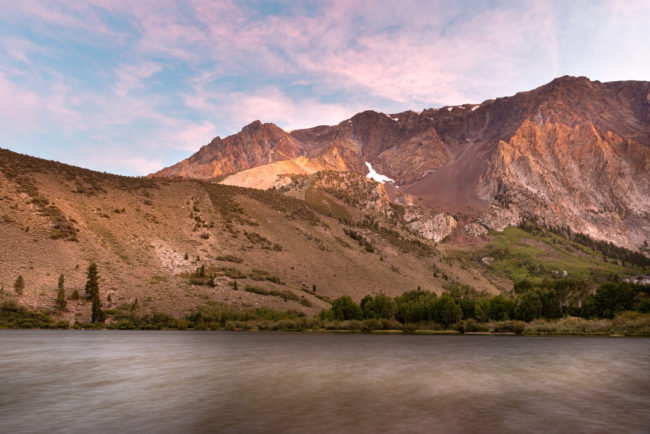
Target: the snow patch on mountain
(376, 176)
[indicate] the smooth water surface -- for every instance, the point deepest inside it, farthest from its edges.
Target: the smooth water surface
(184, 382)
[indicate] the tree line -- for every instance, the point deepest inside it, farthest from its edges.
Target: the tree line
(544, 300)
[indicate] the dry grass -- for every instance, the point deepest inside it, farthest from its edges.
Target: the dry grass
(137, 228)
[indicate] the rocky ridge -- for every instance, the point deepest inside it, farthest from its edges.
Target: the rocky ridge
(573, 152)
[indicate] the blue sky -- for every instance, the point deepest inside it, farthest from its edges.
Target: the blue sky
(132, 86)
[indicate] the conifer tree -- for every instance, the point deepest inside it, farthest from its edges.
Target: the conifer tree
(60, 296)
(97, 313)
(92, 291)
(19, 285)
(92, 284)
(75, 295)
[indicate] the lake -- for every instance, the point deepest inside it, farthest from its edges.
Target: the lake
(193, 382)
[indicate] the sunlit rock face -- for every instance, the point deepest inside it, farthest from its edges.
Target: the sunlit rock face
(434, 228)
(597, 184)
(278, 174)
(255, 145)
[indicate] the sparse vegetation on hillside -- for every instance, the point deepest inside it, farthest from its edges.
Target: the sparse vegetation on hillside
(607, 249)
(359, 238)
(283, 294)
(230, 258)
(19, 285)
(541, 254)
(258, 240)
(139, 233)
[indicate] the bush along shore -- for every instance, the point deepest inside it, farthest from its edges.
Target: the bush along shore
(552, 307)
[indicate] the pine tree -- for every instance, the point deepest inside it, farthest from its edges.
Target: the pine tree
(60, 296)
(19, 285)
(234, 285)
(92, 284)
(97, 313)
(75, 295)
(92, 291)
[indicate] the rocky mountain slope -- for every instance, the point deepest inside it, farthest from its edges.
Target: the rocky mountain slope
(573, 152)
(169, 245)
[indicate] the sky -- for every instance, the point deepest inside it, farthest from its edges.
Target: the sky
(131, 86)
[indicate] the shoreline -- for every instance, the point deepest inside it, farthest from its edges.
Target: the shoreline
(417, 332)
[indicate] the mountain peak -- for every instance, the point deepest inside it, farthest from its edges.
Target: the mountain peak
(253, 126)
(257, 126)
(570, 79)
(524, 152)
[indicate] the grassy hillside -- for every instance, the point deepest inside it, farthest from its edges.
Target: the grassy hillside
(170, 245)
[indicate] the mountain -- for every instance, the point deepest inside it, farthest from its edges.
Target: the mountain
(573, 153)
(170, 245)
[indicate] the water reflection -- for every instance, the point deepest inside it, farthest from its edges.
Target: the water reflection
(177, 382)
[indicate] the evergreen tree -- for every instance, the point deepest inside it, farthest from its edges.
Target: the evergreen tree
(75, 295)
(60, 296)
(19, 285)
(97, 313)
(234, 285)
(92, 284)
(92, 291)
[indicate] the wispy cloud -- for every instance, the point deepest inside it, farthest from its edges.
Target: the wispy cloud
(151, 78)
(132, 76)
(273, 105)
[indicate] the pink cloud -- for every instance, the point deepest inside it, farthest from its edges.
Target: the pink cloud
(272, 105)
(20, 49)
(406, 54)
(420, 65)
(191, 136)
(131, 76)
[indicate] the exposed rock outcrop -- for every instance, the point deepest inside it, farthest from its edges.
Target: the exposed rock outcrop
(434, 228)
(475, 230)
